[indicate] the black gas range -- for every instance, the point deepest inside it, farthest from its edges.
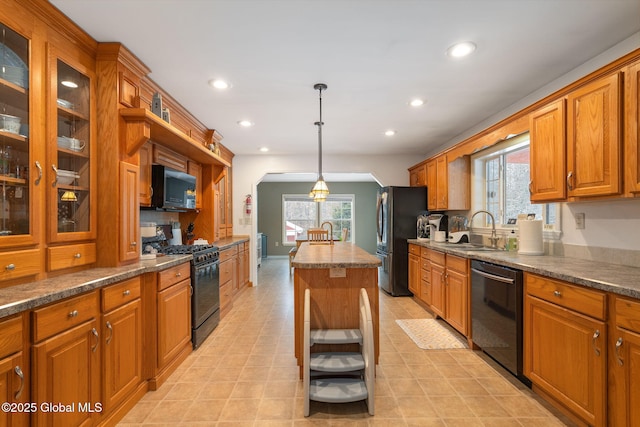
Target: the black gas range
(205, 282)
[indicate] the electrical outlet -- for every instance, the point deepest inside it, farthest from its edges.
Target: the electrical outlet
(579, 217)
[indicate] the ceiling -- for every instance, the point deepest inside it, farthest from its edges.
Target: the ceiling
(374, 55)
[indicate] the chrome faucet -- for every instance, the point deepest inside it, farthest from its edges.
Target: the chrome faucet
(330, 230)
(494, 237)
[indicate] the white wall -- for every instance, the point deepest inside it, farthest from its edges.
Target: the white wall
(248, 171)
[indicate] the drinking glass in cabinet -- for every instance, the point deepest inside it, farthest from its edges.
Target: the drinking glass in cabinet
(14, 133)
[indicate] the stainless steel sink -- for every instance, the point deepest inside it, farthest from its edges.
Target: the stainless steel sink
(468, 247)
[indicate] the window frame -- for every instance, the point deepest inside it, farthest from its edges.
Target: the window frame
(479, 189)
(318, 219)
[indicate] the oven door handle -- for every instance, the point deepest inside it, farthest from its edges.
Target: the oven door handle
(493, 276)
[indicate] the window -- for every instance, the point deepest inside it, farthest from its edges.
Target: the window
(501, 185)
(299, 213)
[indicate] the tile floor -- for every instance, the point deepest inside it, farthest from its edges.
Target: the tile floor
(245, 374)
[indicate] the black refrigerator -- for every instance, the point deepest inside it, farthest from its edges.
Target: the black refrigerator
(397, 210)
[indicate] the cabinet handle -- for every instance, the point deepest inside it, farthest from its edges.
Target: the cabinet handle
(73, 313)
(39, 167)
(530, 187)
(126, 293)
(191, 289)
(10, 267)
(596, 334)
(110, 328)
(20, 375)
(569, 180)
(55, 181)
(134, 244)
(97, 337)
(618, 346)
(446, 279)
(151, 188)
(77, 255)
(557, 294)
(178, 274)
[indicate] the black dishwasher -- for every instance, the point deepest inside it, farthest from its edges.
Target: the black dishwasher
(496, 314)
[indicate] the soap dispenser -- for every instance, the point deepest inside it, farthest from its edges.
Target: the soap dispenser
(512, 241)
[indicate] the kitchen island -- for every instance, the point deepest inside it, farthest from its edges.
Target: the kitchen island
(334, 273)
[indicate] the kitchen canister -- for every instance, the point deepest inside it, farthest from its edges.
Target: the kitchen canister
(530, 237)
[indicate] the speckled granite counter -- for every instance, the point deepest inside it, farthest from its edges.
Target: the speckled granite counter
(16, 299)
(619, 279)
(337, 255)
(227, 242)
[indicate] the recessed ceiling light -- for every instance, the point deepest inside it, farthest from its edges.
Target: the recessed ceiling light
(219, 84)
(390, 132)
(416, 102)
(459, 50)
(69, 83)
(264, 149)
(245, 123)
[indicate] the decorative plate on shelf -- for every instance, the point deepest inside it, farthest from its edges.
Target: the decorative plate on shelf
(12, 68)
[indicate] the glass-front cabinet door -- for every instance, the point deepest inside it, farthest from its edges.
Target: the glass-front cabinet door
(71, 168)
(15, 197)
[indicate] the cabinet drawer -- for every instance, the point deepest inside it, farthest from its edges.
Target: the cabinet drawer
(577, 298)
(457, 264)
(173, 275)
(426, 275)
(166, 157)
(11, 336)
(628, 313)
(424, 253)
(226, 295)
(426, 264)
(67, 256)
(63, 315)
(436, 257)
(20, 264)
(119, 294)
(414, 249)
(226, 271)
(228, 253)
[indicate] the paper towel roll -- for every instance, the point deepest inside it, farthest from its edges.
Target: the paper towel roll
(530, 239)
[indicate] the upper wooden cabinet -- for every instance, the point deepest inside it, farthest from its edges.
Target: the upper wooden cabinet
(418, 176)
(448, 183)
(632, 129)
(146, 159)
(594, 138)
(548, 153)
(194, 169)
(71, 137)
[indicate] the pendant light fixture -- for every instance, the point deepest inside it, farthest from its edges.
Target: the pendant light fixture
(320, 191)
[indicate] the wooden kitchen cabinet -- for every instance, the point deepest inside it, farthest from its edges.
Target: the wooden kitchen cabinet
(418, 176)
(448, 183)
(565, 345)
(425, 276)
(14, 370)
(122, 342)
(414, 270)
(195, 169)
(594, 138)
(228, 257)
(547, 132)
(71, 137)
(66, 360)
(129, 236)
(450, 289)
(223, 208)
(243, 265)
(624, 363)
(632, 129)
(163, 156)
(145, 161)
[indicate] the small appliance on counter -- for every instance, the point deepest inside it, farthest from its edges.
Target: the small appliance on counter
(422, 226)
(438, 222)
(153, 239)
(458, 229)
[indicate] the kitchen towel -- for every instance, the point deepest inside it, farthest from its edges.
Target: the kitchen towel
(530, 239)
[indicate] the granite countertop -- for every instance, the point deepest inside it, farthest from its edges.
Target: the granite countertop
(227, 242)
(619, 279)
(15, 299)
(337, 255)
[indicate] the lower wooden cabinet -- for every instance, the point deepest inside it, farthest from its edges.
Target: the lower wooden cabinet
(122, 342)
(449, 282)
(425, 276)
(565, 351)
(624, 364)
(66, 365)
(414, 270)
(14, 370)
(174, 321)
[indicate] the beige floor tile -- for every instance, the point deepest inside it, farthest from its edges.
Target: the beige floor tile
(245, 375)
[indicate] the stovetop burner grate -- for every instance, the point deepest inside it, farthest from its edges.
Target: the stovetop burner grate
(201, 253)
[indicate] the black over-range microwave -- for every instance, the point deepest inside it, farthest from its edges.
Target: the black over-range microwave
(172, 189)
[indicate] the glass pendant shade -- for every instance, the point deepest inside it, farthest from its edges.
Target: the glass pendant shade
(320, 190)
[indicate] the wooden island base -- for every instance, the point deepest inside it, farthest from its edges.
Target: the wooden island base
(334, 274)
